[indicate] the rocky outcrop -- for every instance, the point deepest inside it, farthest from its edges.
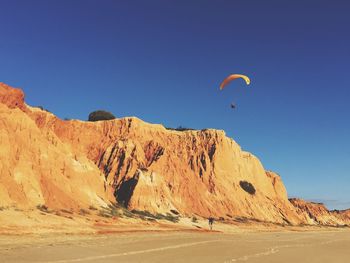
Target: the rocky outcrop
(317, 213)
(45, 160)
(36, 168)
(344, 215)
(148, 167)
(12, 97)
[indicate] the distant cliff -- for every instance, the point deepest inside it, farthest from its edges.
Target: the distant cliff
(317, 213)
(76, 164)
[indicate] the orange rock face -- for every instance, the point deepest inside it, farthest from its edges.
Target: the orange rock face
(317, 213)
(12, 97)
(36, 168)
(192, 172)
(344, 215)
(45, 160)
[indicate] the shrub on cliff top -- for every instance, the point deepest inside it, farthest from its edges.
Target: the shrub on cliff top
(43, 109)
(248, 187)
(101, 115)
(180, 128)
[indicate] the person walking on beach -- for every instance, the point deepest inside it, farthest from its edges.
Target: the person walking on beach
(211, 222)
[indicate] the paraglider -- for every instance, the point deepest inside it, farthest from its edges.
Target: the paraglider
(233, 77)
(230, 78)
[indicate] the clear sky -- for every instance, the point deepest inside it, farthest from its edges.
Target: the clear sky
(163, 61)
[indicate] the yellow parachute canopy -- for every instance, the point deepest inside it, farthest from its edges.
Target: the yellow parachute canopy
(233, 77)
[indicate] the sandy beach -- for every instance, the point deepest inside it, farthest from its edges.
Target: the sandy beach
(311, 246)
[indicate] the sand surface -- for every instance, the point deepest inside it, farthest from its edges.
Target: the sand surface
(320, 246)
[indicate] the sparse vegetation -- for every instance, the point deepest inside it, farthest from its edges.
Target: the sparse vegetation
(43, 208)
(42, 108)
(83, 212)
(92, 207)
(127, 213)
(174, 212)
(143, 169)
(147, 215)
(104, 213)
(168, 217)
(58, 213)
(241, 219)
(109, 212)
(180, 128)
(194, 220)
(115, 210)
(142, 213)
(66, 211)
(248, 187)
(101, 115)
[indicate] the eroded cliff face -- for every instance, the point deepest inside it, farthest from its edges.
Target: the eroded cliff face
(140, 165)
(344, 215)
(36, 168)
(194, 172)
(318, 214)
(12, 97)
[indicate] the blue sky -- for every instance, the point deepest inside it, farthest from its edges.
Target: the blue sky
(163, 61)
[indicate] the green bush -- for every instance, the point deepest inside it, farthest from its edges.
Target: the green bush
(101, 115)
(42, 108)
(180, 128)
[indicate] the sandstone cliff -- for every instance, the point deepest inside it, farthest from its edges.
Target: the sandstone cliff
(344, 215)
(36, 168)
(317, 213)
(193, 172)
(45, 160)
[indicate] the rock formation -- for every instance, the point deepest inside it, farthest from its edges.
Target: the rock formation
(36, 168)
(12, 97)
(317, 213)
(74, 164)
